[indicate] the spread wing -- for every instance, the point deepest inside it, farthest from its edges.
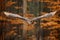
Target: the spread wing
(26, 19)
(16, 15)
(46, 15)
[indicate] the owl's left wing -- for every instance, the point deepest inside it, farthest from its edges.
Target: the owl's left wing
(44, 16)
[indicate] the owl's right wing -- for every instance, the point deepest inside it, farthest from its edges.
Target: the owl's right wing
(16, 15)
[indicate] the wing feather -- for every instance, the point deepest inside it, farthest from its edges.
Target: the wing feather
(46, 15)
(14, 15)
(28, 20)
(18, 16)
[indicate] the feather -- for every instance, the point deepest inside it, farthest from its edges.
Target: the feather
(29, 20)
(16, 15)
(44, 16)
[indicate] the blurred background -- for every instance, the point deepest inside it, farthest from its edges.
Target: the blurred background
(40, 29)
